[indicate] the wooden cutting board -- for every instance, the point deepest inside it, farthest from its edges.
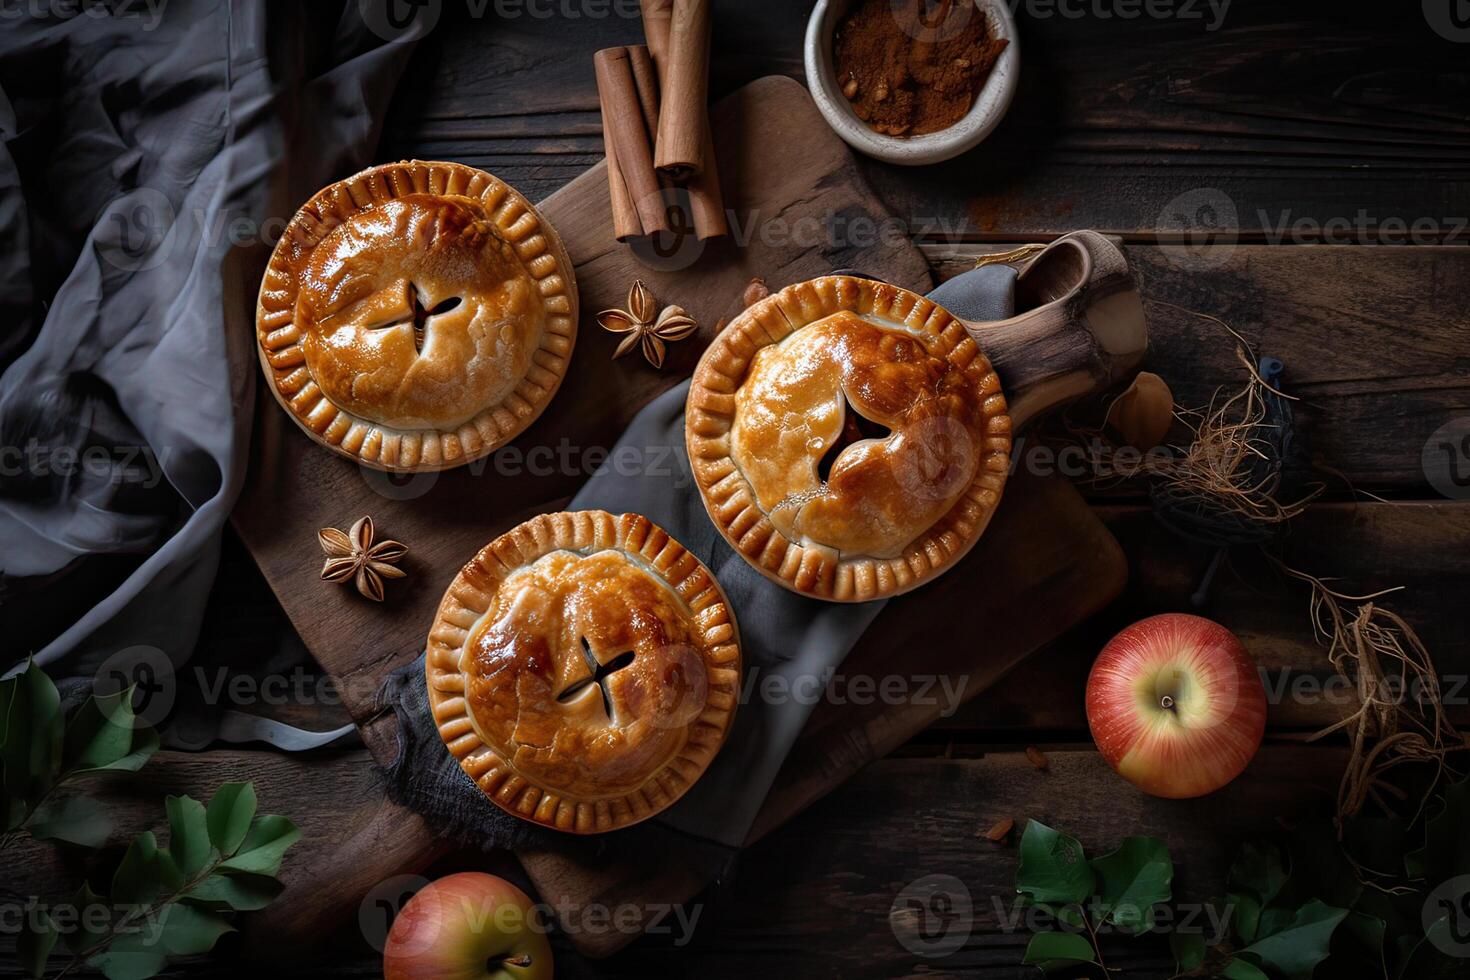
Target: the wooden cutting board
(800, 210)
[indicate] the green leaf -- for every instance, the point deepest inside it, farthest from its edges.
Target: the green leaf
(188, 930)
(188, 834)
(1258, 869)
(1368, 930)
(1276, 918)
(74, 819)
(36, 941)
(93, 918)
(1446, 847)
(1245, 915)
(99, 732)
(1295, 950)
(7, 696)
(1132, 880)
(229, 816)
(1254, 880)
(1053, 868)
(1057, 950)
(145, 744)
(1070, 915)
(1239, 969)
(144, 874)
(108, 753)
(240, 891)
(12, 809)
(33, 735)
(125, 964)
(264, 846)
(1188, 949)
(144, 944)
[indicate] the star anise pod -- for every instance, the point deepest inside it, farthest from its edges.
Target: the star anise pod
(643, 329)
(354, 557)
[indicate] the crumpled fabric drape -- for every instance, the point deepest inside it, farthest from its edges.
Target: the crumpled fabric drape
(148, 160)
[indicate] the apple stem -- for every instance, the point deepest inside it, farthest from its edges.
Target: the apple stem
(522, 960)
(1167, 703)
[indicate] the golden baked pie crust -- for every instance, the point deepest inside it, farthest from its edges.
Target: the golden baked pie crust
(501, 216)
(491, 679)
(878, 328)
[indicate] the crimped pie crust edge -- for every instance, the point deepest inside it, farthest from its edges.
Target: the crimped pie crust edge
(383, 447)
(728, 497)
(469, 597)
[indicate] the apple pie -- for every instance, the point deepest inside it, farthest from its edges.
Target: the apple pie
(584, 669)
(849, 438)
(416, 316)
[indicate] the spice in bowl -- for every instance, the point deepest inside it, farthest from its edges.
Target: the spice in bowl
(911, 67)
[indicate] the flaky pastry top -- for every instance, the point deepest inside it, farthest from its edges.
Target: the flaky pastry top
(416, 315)
(849, 438)
(583, 668)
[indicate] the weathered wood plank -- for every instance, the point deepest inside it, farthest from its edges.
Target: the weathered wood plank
(1375, 342)
(1424, 547)
(1093, 139)
(815, 898)
(334, 797)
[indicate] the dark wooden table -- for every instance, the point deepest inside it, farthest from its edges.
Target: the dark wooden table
(1328, 150)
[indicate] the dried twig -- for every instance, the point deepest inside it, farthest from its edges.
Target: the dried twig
(1400, 717)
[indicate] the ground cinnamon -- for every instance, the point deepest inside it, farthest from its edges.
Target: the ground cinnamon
(911, 67)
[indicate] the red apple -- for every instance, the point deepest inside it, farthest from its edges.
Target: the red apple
(1176, 706)
(466, 927)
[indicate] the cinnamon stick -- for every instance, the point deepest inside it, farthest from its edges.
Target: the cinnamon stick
(685, 115)
(624, 128)
(657, 15)
(626, 223)
(706, 201)
(645, 80)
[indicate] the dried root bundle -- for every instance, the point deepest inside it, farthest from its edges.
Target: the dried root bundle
(1400, 718)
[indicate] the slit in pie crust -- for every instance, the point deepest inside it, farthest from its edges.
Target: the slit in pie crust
(416, 316)
(849, 438)
(584, 669)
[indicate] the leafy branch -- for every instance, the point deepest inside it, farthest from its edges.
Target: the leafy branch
(164, 901)
(168, 901)
(1390, 901)
(1121, 890)
(40, 751)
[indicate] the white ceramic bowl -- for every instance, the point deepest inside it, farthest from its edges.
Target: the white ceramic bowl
(990, 105)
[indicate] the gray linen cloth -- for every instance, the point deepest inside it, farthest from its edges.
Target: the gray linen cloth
(790, 643)
(148, 158)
